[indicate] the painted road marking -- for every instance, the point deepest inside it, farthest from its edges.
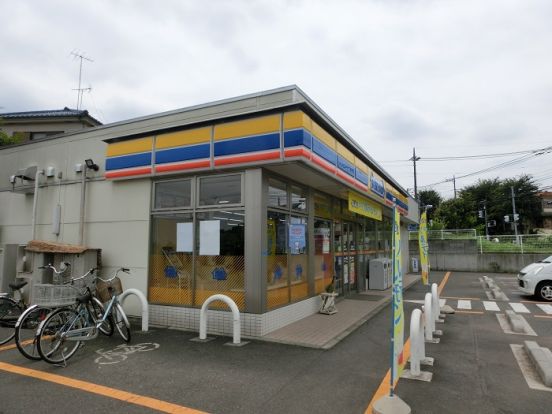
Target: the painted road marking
(114, 393)
(470, 312)
(519, 308)
(442, 302)
(464, 304)
(491, 306)
(456, 297)
(384, 387)
(545, 308)
(527, 369)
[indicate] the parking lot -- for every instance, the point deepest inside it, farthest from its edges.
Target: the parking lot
(161, 370)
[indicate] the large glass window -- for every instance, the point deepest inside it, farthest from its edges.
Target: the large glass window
(277, 260)
(220, 190)
(219, 262)
(173, 194)
(322, 255)
(171, 270)
(322, 206)
(277, 194)
(298, 198)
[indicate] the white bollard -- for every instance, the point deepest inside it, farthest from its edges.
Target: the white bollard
(236, 331)
(417, 350)
(143, 301)
(429, 325)
(436, 308)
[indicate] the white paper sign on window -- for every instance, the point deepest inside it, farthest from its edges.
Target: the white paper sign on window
(184, 237)
(209, 238)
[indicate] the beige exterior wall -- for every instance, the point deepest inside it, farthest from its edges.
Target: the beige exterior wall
(117, 214)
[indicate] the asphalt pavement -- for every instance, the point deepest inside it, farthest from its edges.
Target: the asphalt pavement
(475, 369)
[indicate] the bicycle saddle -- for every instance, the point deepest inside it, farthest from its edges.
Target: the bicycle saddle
(17, 286)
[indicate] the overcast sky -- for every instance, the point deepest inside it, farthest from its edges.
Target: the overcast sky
(450, 78)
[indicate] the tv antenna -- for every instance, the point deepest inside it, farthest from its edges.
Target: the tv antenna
(80, 90)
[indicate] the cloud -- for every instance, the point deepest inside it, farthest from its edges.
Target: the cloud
(447, 77)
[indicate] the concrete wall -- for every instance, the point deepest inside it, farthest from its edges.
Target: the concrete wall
(463, 256)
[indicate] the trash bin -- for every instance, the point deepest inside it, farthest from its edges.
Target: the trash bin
(415, 267)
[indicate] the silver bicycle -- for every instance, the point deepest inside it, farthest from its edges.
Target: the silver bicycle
(64, 330)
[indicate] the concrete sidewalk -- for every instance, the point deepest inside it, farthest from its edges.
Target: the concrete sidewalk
(324, 331)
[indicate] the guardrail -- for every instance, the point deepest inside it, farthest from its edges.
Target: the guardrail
(446, 234)
(523, 244)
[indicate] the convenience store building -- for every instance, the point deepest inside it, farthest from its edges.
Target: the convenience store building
(263, 198)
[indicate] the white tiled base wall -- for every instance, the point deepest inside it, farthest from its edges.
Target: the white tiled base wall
(220, 322)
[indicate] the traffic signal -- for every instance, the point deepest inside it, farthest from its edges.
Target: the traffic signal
(516, 217)
(481, 214)
(506, 219)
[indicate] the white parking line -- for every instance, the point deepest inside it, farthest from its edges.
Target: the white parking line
(491, 306)
(464, 304)
(519, 308)
(546, 308)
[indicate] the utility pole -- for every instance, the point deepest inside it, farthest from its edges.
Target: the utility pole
(514, 212)
(80, 90)
(454, 185)
(414, 159)
(484, 202)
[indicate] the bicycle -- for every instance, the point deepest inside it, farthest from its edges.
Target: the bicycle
(61, 334)
(48, 298)
(13, 307)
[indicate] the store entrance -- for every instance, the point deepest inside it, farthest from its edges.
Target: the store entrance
(345, 258)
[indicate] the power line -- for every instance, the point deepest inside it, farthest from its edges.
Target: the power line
(470, 157)
(531, 154)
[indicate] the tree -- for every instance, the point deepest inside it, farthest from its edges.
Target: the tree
(457, 213)
(430, 197)
(5, 139)
(494, 196)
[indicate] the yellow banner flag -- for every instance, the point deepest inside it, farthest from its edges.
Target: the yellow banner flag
(398, 310)
(424, 248)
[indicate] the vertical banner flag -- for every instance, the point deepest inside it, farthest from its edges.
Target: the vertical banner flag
(424, 248)
(398, 311)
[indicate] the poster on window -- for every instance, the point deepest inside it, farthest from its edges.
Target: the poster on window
(209, 238)
(297, 238)
(184, 237)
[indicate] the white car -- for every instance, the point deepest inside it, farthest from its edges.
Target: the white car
(536, 279)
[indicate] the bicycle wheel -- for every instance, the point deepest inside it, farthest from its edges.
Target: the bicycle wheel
(9, 314)
(53, 347)
(25, 331)
(97, 311)
(121, 321)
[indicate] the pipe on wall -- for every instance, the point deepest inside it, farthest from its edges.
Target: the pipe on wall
(35, 203)
(82, 204)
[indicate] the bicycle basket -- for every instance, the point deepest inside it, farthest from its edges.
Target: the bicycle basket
(54, 295)
(103, 289)
(87, 281)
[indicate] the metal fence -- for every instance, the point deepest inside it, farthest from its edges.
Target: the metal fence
(446, 234)
(515, 244)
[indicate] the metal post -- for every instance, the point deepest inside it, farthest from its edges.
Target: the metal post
(514, 210)
(486, 224)
(414, 159)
